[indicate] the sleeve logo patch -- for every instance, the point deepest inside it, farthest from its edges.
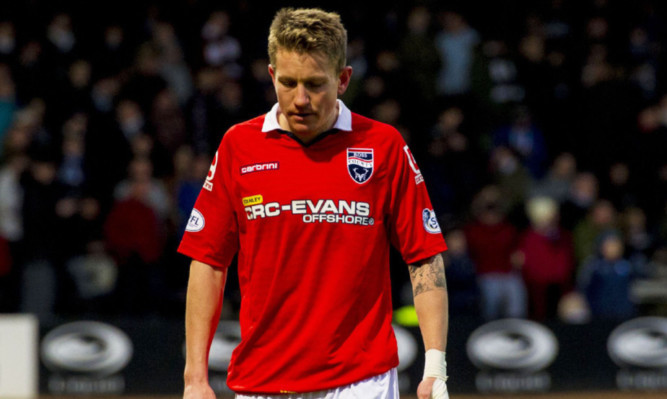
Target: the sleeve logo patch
(208, 184)
(430, 221)
(196, 222)
(413, 165)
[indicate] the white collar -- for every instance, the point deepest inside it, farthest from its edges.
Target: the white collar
(344, 121)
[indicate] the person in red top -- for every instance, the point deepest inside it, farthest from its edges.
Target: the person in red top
(492, 245)
(311, 196)
(548, 258)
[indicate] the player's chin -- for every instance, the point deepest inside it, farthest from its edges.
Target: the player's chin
(303, 129)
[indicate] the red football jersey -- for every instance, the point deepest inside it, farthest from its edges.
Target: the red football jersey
(312, 225)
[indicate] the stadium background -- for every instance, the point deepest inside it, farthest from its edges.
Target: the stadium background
(110, 113)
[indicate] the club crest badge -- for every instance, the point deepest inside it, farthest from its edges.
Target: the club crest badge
(360, 164)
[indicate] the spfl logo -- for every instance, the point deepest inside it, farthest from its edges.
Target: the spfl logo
(430, 221)
(360, 164)
(196, 221)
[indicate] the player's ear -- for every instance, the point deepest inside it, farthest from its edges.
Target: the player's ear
(344, 79)
(272, 72)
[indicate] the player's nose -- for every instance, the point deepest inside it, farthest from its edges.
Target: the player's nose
(302, 98)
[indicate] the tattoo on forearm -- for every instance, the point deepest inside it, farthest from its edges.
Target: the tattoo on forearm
(428, 276)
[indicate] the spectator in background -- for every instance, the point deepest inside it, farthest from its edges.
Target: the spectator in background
(31, 71)
(534, 72)
(8, 105)
(61, 46)
(203, 110)
(605, 279)
(647, 159)
(11, 229)
(639, 241)
(153, 191)
(130, 119)
(145, 80)
(644, 60)
(461, 276)
(618, 186)
(418, 57)
(583, 193)
(103, 95)
(356, 54)
(8, 45)
(512, 178)
(607, 111)
(220, 49)
(496, 76)
(547, 259)
(135, 238)
(113, 54)
(76, 89)
(388, 67)
(601, 217)
(20, 135)
(72, 171)
(524, 138)
(492, 243)
(232, 105)
(456, 42)
(40, 285)
(171, 59)
(11, 196)
(557, 183)
(452, 164)
(258, 88)
(168, 121)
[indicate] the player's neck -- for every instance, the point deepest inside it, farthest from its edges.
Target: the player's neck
(307, 137)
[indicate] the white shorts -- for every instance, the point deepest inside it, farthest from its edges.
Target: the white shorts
(383, 386)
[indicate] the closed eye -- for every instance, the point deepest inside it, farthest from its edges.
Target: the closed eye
(288, 82)
(314, 85)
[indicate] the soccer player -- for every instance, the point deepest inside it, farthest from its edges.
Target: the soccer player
(311, 196)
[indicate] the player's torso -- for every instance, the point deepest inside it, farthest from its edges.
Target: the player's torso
(311, 218)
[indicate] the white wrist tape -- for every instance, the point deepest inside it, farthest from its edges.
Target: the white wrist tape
(435, 365)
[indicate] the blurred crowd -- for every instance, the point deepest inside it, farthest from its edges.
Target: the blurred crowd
(540, 127)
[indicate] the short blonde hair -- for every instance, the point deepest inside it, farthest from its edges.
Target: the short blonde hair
(307, 30)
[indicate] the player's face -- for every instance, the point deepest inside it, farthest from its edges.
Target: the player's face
(307, 86)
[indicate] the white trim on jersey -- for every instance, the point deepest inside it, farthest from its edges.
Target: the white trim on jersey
(344, 121)
(383, 386)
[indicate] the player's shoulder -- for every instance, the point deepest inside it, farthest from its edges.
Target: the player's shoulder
(376, 130)
(246, 128)
(242, 134)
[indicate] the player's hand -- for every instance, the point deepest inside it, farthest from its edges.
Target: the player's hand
(198, 391)
(432, 388)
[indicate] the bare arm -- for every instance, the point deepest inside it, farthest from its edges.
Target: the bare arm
(202, 314)
(430, 295)
(429, 288)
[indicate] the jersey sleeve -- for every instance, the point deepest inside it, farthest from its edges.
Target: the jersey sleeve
(414, 228)
(211, 235)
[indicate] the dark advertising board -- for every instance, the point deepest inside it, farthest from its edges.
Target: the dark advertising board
(146, 356)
